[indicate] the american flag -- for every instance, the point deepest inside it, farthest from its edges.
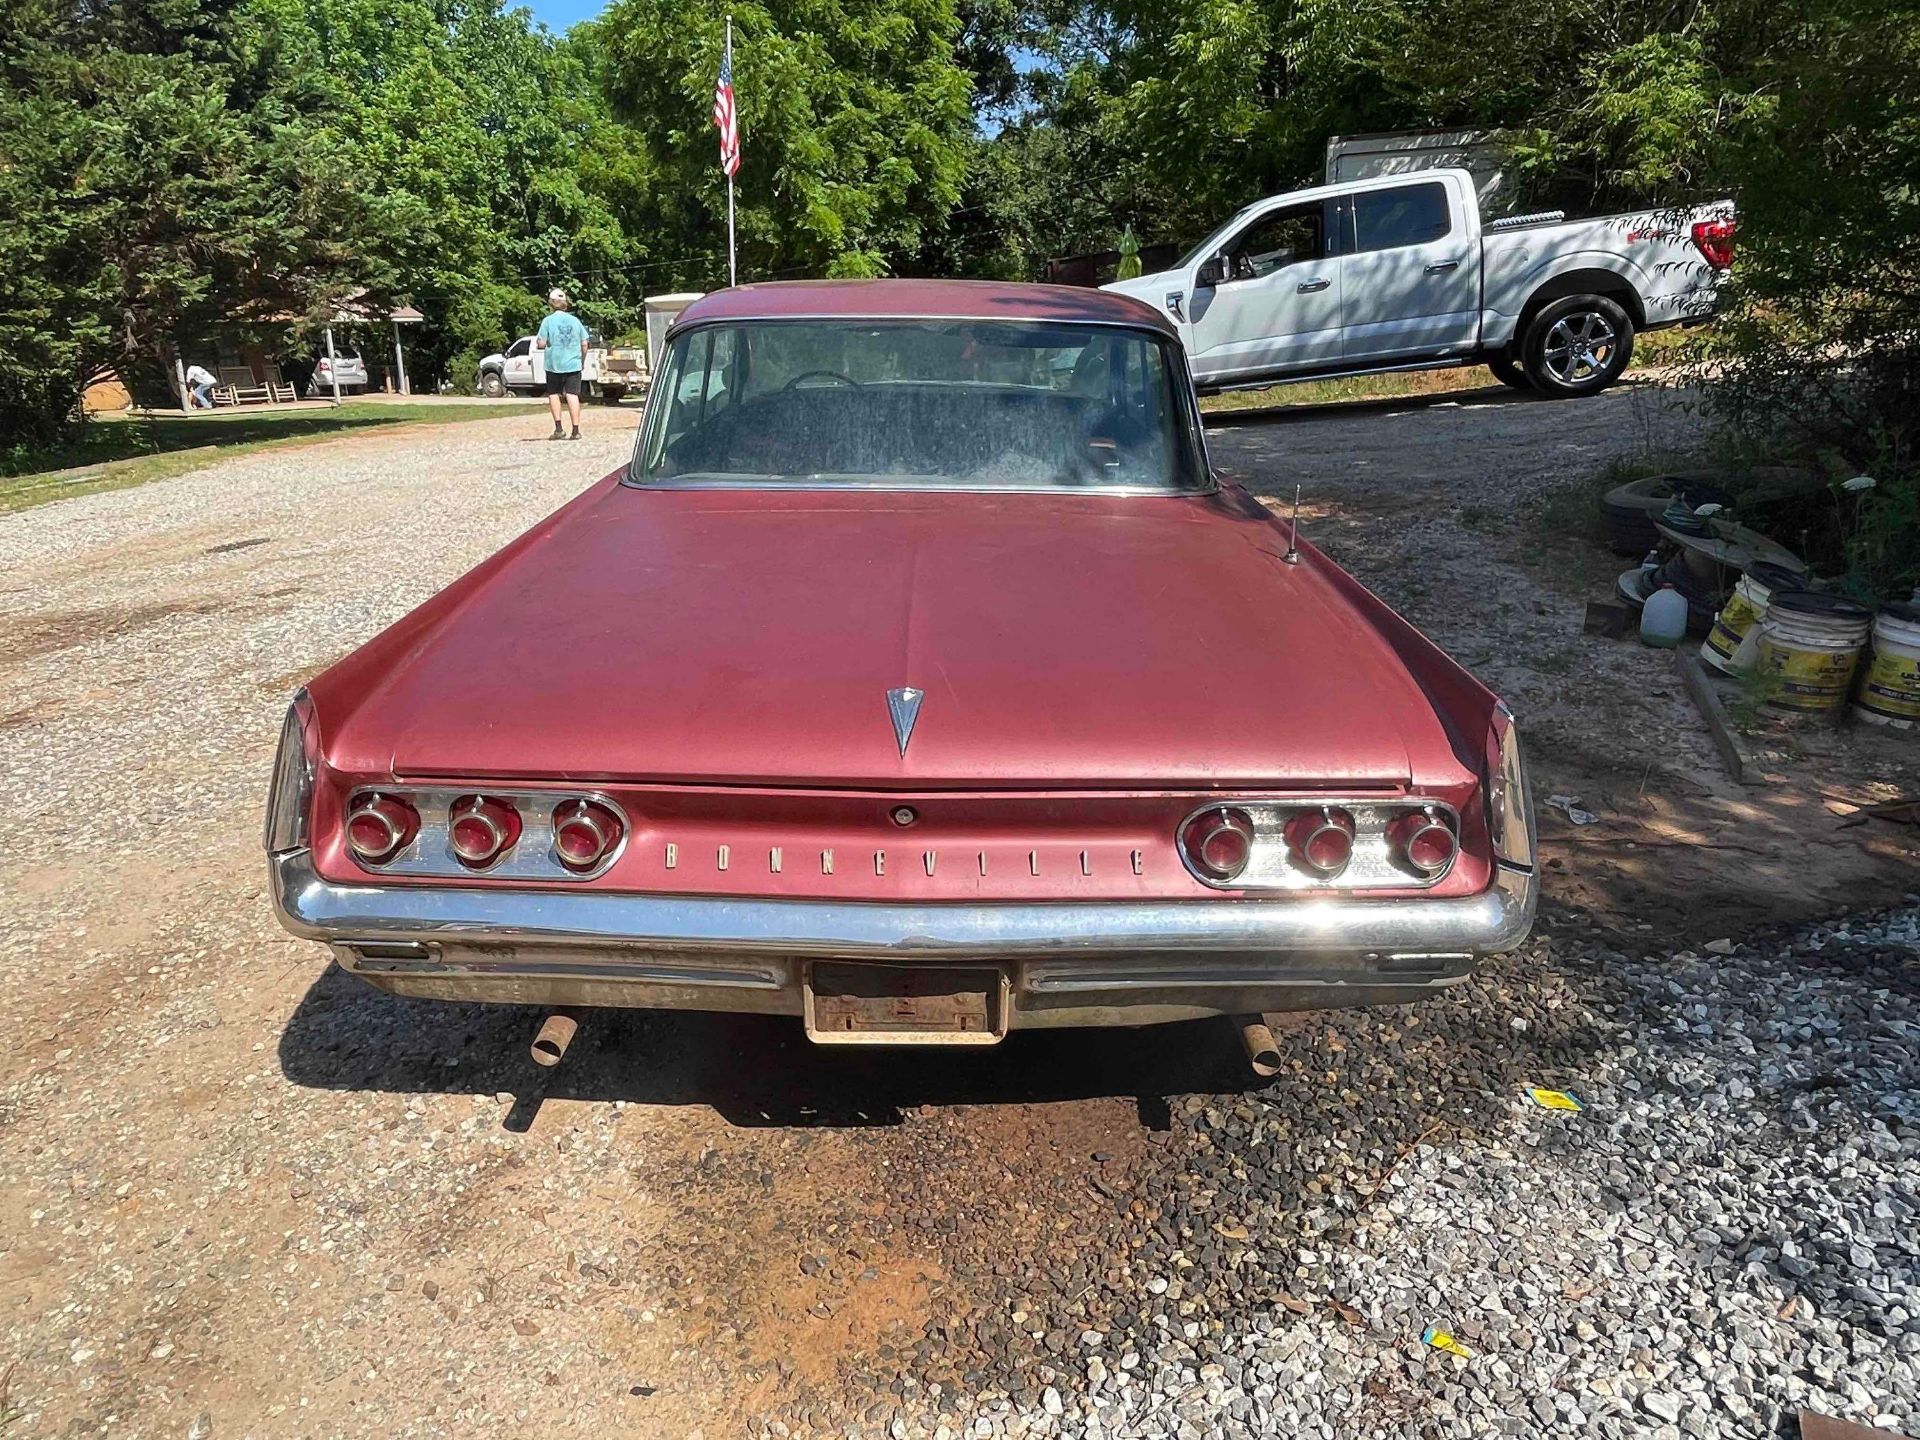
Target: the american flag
(724, 118)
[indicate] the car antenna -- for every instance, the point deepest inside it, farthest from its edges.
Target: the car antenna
(1292, 557)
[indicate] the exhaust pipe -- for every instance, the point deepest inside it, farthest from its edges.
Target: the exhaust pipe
(555, 1035)
(1262, 1053)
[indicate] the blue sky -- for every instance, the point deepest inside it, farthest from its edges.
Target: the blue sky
(557, 15)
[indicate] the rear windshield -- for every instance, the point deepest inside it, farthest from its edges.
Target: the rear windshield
(941, 403)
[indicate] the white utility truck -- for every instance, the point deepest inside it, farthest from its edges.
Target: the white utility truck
(1399, 272)
(607, 372)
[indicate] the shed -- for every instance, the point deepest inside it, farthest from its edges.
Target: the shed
(662, 311)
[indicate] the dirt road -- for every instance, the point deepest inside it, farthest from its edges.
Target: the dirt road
(243, 1194)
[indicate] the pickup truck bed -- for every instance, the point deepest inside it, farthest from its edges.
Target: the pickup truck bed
(1399, 273)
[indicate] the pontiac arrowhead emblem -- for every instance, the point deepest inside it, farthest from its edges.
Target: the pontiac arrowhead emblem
(904, 706)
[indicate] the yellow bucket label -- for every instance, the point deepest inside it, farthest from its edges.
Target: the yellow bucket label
(1730, 626)
(1891, 686)
(1808, 679)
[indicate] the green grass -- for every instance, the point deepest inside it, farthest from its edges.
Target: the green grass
(1398, 385)
(114, 452)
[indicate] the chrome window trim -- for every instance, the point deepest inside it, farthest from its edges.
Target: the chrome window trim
(1270, 867)
(532, 856)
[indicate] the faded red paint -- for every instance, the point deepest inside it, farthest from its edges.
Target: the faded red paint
(718, 662)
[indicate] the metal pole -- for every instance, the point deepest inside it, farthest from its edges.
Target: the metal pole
(733, 271)
(333, 366)
(400, 360)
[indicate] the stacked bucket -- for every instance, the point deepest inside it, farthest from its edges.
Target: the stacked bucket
(1811, 644)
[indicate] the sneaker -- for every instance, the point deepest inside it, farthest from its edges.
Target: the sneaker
(576, 433)
(558, 434)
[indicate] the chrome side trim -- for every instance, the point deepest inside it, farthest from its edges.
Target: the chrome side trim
(1495, 920)
(637, 969)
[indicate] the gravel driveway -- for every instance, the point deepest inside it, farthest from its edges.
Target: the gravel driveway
(245, 1195)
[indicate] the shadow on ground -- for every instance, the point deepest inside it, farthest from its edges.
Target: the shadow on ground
(751, 1070)
(1491, 396)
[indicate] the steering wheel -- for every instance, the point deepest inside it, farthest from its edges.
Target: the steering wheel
(828, 374)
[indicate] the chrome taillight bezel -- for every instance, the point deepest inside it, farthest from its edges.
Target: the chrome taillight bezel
(394, 813)
(531, 856)
(1274, 864)
(1406, 830)
(1206, 825)
(607, 832)
(497, 816)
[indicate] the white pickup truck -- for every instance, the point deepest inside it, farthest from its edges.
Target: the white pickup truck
(607, 372)
(1399, 273)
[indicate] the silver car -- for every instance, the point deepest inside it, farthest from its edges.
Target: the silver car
(347, 364)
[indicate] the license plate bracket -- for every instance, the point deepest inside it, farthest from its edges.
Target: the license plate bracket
(856, 1003)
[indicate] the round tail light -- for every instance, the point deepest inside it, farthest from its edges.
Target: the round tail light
(482, 829)
(584, 833)
(380, 827)
(1218, 843)
(1423, 841)
(1321, 840)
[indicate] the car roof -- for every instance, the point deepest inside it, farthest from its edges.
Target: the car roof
(922, 300)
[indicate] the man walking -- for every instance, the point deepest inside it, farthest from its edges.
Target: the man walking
(563, 339)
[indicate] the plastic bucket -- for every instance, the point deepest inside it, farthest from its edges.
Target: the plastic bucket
(1744, 609)
(1889, 691)
(1810, 645)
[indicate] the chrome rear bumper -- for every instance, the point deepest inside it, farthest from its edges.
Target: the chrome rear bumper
(1068, 964)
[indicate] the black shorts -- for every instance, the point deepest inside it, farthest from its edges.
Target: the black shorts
(563, 382)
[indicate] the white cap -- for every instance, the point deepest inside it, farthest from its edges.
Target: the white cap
(556, 297)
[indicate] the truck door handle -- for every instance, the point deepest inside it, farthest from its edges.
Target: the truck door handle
(1442, 267)
(1307, 287)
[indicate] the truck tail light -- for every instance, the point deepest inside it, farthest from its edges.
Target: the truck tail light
(1423, 841)
(481, 829)
(380, 827)
(584, 834)
(1321, 840)
(1714, 240)
(1218, 842)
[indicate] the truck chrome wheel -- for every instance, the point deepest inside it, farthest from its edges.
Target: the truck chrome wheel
(1576, 346)
(1580, 347)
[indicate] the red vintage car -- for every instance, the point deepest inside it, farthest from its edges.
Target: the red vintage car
(920, 680)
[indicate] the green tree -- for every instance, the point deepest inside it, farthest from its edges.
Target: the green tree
(855, 121)
(166, 171)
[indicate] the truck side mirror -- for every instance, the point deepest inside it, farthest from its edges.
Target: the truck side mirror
(1212, 272)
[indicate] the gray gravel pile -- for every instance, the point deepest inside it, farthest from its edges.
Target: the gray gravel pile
(1726, 1232)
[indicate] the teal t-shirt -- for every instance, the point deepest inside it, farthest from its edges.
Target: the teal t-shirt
(566, 341)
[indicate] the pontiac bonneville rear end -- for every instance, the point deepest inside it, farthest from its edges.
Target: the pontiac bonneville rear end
(918, 680)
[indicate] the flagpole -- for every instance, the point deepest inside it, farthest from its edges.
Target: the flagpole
(733, 272)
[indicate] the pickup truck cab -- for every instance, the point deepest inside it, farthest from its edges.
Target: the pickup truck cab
(1400, 273)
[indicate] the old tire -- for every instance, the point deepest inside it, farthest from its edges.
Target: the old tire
(1577, 346)
(492, 385)
(612, 394)
(1507, 371)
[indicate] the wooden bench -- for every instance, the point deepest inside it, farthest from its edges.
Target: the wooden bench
(274, 392)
